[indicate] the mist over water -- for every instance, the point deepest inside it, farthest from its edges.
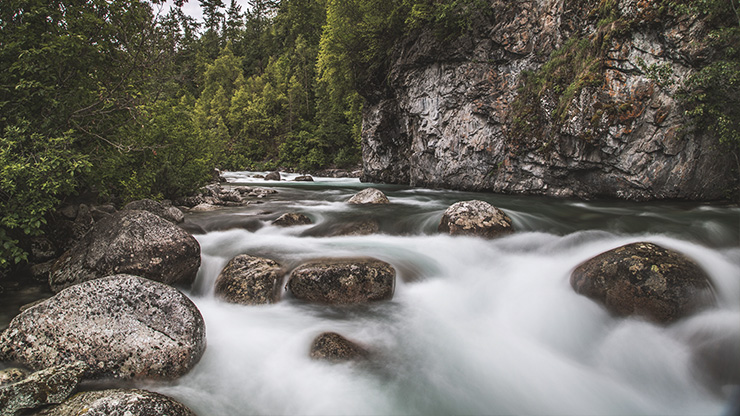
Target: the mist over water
(475, 326)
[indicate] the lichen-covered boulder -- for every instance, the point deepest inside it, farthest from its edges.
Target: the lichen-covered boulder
(369, 196)
(118, 402)
(133, 242)
(291, 219)
(49, 386)
(645, 279)
(343, 281)
(330, 346)
(122, 326)
(250, 280)
(169, 213)
(476, 218)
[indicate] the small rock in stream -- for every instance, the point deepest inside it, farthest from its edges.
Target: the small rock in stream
(476, 218)
(333, 347)
(369, 196)
(343, 281)
(250, 280)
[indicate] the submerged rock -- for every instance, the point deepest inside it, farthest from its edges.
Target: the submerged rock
(303, 178)
(169, 213)
(478, 218)
(366, 227)
(134, 242)
(645, 279)
(343, 281)
(123, 327)
(292, 218)
(331, 346)
(118, 402)
(49, 386)
(369, 196)
(250, 280)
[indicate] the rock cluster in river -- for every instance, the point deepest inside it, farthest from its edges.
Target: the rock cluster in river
(478, 218)
(123, 327)
(250, 280)
(135, 242)
(646, 280)
(343, 281)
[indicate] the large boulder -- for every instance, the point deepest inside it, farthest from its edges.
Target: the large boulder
(330, 346)
(477, 218)
(343, 281)
(133, 242)
(290, 219)
(273, 176)
(369, 196)
(122, 326)
(118, 402)
(644, 279)
(49, 386)
(169, 213)
(250, 280)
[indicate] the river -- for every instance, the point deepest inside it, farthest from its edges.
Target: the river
(475, 326)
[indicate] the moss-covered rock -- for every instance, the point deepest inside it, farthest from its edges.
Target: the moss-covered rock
(646, 280)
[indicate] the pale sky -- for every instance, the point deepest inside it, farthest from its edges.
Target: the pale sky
(192, 7)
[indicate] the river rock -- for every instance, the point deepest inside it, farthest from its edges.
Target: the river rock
(478, 218)
(250, 280)
(369, 196)
(645, 279)
(303, 178)
(273, 176)
(12, 375)
(135, 242)
(122, 326)
(331, 346)
(49, 386)
(169, 213)
(118, 402)
(366, 227)
(292, 218)
(343, 281)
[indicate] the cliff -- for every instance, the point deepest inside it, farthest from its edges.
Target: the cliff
(549, 97)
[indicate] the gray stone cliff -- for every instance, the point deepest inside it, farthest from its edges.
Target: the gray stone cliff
(445, 118)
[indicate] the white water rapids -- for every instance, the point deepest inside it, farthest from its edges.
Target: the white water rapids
(475, 326)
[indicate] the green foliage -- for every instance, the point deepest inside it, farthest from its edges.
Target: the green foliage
(35, 171)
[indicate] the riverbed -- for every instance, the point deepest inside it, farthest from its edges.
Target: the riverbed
(475, 326)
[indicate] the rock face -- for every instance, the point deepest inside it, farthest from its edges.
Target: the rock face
(169, 213)
(123, 327)
(250, 280)
(477, 218)
(116, 402)
(49, 386)
(134, 242)
(333, 347)
(456, 114)
(292, 218)
(646, 280)
(369, 196)
(343, 281)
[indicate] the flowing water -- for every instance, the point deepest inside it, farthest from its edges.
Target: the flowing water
(475, 326)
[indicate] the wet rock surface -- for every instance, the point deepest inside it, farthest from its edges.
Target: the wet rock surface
(119, 402)
(169, 213)
(330, 346)
(369, 196)
(343, 281)
(292, 218)
(647, 280)
(135, 242)
(250, 280)
(477, 218)
(49, 386)
(122, 327)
